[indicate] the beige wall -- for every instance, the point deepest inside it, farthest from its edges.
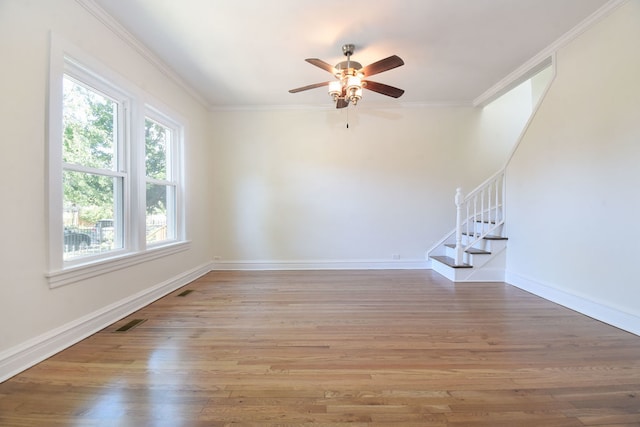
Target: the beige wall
(28, 307)
(497, 128)
(300, 186)
(573, 204)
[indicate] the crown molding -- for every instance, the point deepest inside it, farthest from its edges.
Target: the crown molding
(329, 106)
(517, 76)
(114, 26)
(543, 58)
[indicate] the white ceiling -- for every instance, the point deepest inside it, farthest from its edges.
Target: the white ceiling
(239, 53)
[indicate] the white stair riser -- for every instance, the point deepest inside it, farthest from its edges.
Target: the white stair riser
(491, 271)
(485, 244)
(481, 227)
(451, 253)
(477, 260)
(445, 270)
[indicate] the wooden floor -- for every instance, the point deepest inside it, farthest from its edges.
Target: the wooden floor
(363, 348)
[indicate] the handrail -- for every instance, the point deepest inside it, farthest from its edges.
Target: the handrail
(484, 205)
(464, 218)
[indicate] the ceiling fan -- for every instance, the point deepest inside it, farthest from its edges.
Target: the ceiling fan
(351, 78)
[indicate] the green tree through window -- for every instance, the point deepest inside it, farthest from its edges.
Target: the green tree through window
(113, 169)
(161, 187)
(93, 183)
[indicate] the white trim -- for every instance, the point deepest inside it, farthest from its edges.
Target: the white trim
(532, 116)
(520, 73)
(67, 59)
(410, 264)
(23, 356)
(513, 79)
(610, 315)
(493, 92)
(174, 176)
(91, 269)
(116, 28)
(329, 106)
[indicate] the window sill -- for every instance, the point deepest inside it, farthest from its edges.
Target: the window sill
(82, 272)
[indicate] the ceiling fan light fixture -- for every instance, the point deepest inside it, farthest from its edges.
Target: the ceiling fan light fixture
(353, 88)
(350, 78)
(335, 89)
(353, 83)
(355, 95)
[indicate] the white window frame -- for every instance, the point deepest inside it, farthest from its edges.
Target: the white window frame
(66, 59)
(122, 166)
(174, 175)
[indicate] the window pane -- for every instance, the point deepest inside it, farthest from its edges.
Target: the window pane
(160, 213)
(88, 127)
(157, 139)
(90, 214)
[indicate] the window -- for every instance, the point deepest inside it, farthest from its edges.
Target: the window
(93, 176)
(161, 183)
(114, 171)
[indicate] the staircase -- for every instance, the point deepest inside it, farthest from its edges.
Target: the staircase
(476, 250)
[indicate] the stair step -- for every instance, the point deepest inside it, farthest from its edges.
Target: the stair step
(493, 237)
(488, 236)
(449, 261)
(472, 251)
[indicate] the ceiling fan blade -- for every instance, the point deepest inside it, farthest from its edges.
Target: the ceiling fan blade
(313, 86)
(382, 65)
(321, 64)
(383, 88)
(341, 103)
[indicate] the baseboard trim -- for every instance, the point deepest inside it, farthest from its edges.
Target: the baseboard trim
(18, 358)
(625, 321)
(409, 264)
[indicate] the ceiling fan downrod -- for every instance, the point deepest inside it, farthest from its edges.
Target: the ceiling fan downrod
(348, 50)
(350, 77)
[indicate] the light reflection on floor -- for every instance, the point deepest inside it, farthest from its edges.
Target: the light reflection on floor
(155, 388)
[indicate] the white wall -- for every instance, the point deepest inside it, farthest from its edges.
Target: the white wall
(573, 204)
(539, 84)
(497, 129)
(299, 187)
(29, 309)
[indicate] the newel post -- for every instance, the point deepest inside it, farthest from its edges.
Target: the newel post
(459, 201)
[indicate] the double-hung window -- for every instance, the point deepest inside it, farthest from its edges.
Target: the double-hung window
(161, 178)
(94, 176)
(114, 171)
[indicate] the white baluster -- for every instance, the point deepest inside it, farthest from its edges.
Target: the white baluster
(482, 209)
(497, 198)
(503, 196)
(475, 214)
(459, 199)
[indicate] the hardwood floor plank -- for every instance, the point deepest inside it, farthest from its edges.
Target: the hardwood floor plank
(358, 348)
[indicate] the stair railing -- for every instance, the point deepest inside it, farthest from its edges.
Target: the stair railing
(485, 206)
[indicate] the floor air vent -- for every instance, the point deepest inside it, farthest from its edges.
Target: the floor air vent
(130, 325)
(185, 293)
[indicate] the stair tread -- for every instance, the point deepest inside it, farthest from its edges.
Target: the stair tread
(494, 237)
(488, 236)
(449, 261)
(472, 251)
